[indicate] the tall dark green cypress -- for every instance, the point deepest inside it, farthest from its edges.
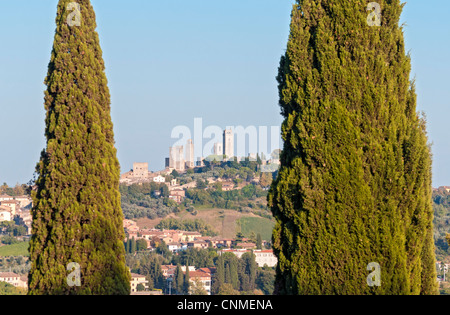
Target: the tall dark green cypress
(187, 280)
(77, 216)
(354, 186)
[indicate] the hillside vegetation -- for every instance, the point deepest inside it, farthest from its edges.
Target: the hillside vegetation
(207, 201)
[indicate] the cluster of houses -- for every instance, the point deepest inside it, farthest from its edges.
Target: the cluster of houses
(141, 174)
(16, 206)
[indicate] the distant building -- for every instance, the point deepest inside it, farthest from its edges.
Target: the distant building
(177, 195)
(140, 170)
(175, 247)
(13, 205)
(190, 162)
(25, 215)
(246, 245)
(191, 268)
(218, 148)
(265, 257)
(227, 186)
(159, 179)
(139, 174)
(177, 160)
(24, 201)
(228, 143)
(127, 223)
(201, 277)
(262, 257)
(137, 279)
(217, 242)
(168, 270)
(200, 162)
(190, 236)
(6, 198)
(198, 244)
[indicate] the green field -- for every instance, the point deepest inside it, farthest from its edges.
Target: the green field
(257, 225)
(20, 249)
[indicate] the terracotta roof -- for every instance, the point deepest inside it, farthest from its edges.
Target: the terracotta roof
(168, 267)
(8, 275)
(22, 197)
(191, 233)
(198, 274)
(207, 270)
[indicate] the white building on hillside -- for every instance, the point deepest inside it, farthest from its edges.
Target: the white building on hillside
(13, 279)
(5, 213)
(159, 179)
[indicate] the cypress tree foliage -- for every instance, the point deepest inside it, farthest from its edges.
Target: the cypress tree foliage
(354, 186)
(258, 241)
(233, 262)
(133, 246)
(186, 285)
(219, 277)
(77, 216)
(227, 273)
(125, 244)
(179, 279)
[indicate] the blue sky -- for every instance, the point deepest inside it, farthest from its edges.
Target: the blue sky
(169, 62)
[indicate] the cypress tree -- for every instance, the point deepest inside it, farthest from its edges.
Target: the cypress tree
(258, 241)
(234, 272)
(187, 284)
(133, 246)
(77, 216)
(354, 186)
(227, 278)
(125, 244)
(219, 277)
(179, 280)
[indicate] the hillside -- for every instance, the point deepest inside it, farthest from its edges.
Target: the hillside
(229, 196)
(227, 223)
